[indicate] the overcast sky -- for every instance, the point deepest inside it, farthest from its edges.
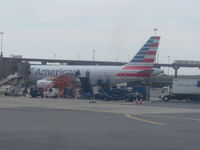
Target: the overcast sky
(115, 29)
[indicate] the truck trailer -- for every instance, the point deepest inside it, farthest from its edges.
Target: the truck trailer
(182, 89)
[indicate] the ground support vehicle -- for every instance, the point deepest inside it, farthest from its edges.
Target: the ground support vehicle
(116, 94)
(51, 92)
(35, 92)
(182, 89)
(144, 91)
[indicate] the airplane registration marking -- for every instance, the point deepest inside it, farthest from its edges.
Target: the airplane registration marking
(143, 120)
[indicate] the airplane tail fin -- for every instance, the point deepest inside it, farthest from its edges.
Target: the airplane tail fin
(146, 56)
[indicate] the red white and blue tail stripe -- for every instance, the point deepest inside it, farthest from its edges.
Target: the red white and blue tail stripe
(142, 63)
(147, 53)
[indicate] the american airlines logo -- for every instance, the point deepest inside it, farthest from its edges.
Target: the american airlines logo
(46, 72)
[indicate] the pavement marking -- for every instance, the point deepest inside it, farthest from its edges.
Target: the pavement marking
(171, 117)
(193, 119)
(143, 120)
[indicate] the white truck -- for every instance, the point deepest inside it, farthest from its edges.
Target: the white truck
(182, 89)
(52, 92)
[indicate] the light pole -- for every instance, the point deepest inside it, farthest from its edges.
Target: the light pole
(168, 64)
(93, 54)
(128, 57)
(1, 44)
(118, 56)
(77, 55)
(155, 30)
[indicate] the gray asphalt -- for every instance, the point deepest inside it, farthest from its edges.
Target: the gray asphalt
(60, 128)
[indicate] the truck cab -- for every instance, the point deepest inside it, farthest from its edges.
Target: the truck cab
(165, 93)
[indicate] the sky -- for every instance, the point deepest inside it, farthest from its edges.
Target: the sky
(114, 29)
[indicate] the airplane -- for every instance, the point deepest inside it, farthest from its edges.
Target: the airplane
(140, 67)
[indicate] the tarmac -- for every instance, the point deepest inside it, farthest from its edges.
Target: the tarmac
(60, 124)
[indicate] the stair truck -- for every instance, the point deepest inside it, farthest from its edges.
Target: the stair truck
(182, 89)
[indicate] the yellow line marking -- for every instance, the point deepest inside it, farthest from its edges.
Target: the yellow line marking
(170, 117)
(193, 119)
(143, 120)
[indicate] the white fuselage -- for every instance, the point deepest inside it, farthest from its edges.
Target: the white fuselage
(140, 67)
(107, 74)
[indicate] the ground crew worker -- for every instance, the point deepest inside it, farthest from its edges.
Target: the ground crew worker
(138, 98)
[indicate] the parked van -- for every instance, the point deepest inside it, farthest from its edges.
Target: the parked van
(52, 92)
